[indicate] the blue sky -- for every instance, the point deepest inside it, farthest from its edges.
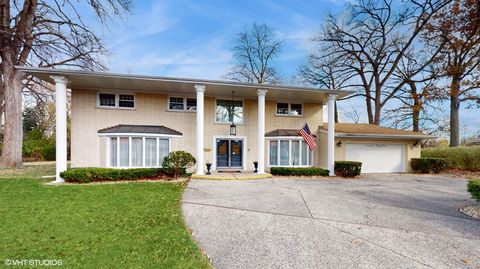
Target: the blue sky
(193, 38)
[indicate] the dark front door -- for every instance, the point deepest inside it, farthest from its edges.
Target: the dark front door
(229, 153)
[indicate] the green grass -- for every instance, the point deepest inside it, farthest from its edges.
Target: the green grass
(133, 225)
(474, 188)
(463, 158)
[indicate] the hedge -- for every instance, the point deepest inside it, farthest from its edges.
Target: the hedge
(86, 175)
(474, 188)
(462, 158)
(347, 168)
(298, 171)
(429, 165)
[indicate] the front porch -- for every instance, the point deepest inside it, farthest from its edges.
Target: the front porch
(244, 175)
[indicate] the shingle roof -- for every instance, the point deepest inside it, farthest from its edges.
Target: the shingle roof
(369, 129)
(139, 129)
(283, 132)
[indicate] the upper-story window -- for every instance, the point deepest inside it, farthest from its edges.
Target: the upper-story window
(116, 100)
(289, 109)
(182, 104)
(228, 111)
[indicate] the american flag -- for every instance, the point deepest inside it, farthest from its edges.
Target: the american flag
(308, 137)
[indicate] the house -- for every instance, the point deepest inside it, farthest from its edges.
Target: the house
(122, 120)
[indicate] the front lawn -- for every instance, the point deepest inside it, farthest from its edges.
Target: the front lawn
(133, 225)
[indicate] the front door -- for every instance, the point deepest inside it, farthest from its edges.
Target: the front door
(229, 153)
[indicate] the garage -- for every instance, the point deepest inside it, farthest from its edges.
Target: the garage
(377, 157)
(380, 149)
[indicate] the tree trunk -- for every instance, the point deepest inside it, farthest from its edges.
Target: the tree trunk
(454, 109)
(13, 136)
(417, 106)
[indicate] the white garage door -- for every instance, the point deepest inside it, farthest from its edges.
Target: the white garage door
(377, 157)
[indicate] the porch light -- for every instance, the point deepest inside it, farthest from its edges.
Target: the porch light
(339, 143)
(233, 127)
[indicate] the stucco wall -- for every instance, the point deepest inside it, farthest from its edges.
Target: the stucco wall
(88, 149)
(410, 150)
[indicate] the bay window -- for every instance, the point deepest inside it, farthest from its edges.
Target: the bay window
(136, 151)
(292, 152)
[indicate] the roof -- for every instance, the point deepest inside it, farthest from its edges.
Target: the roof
(283, 132)
(363, 130)
(139, 129)
(87, 80)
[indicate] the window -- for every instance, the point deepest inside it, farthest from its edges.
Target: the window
(289, 152)
(175, 103)
(191, 104)
(106, 99)
(114, 100)
(282, 108)
(182, 104)
(137, 151)
(289, 109)
(228, 111)
(126, 100)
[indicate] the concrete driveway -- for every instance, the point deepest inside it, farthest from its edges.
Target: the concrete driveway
(382, 221)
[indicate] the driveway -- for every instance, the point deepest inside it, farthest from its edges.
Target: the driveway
(381, 221)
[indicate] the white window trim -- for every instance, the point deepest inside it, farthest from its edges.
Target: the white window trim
(224, 122)
(289, 109)
(184, 103)
(118, 136)
(117, 100)
(310, 154)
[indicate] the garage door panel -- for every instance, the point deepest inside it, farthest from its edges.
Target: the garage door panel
(377, 157)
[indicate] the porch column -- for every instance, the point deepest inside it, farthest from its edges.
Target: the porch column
(60, 126)
(331, 134)
(261, 131)
(200, 89)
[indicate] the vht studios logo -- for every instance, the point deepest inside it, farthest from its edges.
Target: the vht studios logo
(32, 262)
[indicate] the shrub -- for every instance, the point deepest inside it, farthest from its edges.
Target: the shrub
(462, 158)
(347, 168)
(48, 152)
(474, 188)
(298, 171)
(429, 165)
(86, 175)
(178, 162)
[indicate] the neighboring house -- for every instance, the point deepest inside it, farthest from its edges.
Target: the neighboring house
(121, 120)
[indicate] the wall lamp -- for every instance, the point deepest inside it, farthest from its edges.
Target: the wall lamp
(339, 143)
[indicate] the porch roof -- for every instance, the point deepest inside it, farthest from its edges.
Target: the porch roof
(139, 129)
(79, 79)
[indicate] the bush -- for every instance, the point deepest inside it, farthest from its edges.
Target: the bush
(462, 158)
(86, 175)
(474, 188)
(429, 165)
(347, 168)
(178, 162)
(48, 152)
(298, 171)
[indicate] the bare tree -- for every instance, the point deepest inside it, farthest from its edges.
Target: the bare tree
(372, 42)
(46, 34)
(326, 70)
(458, 27)
(253, 52)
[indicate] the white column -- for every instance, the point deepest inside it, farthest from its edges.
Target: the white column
(60, 125)
(331, 134)
(200, 124)
(261, 131)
